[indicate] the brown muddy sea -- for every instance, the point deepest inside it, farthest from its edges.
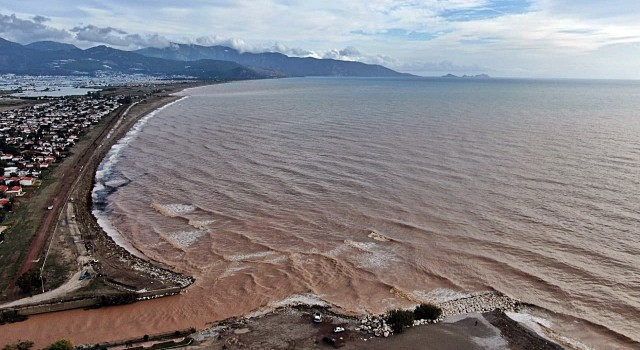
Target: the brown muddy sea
(371, 194)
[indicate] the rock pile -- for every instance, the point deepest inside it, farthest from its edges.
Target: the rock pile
(160, 273)
(375, 325)
(481, 302)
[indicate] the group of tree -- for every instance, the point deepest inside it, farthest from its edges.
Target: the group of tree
(30, 281)
(62, 344)
(399, 319)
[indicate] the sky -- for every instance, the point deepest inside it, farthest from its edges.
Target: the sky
(503, 38)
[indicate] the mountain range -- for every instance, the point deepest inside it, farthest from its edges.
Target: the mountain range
(195, 61)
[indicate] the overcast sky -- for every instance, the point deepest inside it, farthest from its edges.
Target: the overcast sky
(504, 38)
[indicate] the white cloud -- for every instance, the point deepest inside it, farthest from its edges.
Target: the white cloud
(508, 36)
(29, 30)
(117, 37)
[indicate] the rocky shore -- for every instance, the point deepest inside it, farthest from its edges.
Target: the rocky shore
(476, 303)
(120, 268)
(474, 322)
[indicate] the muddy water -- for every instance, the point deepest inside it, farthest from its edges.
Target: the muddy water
(372, 194)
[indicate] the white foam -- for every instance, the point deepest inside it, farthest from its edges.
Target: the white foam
(369, 254)
(439, 295)
(379, 237)
(112, 232)
(544, 328)
(365, 246)
(300, 299)
(533, 322)
(376, 260)
(106, 168)
(201, 223)
(253, 256)
(184, 239)
(174, 209)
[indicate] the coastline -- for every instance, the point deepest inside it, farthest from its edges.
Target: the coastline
(116, 270)
(116, 252)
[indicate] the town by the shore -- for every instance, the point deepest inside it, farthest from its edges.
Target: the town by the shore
(92, 270)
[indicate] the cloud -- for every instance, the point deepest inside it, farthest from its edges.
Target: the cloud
(233, 43)
(29, 30)
(243, 46)
(512, 36)
(41, 19)
(117, 37)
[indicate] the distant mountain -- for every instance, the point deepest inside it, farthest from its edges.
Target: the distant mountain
(50, 46)
(292, 66)
(51, 58)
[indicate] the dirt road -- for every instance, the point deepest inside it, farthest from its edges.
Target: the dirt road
(61, 196)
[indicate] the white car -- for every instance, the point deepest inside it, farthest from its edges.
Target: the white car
(338, 330)
(317, 317)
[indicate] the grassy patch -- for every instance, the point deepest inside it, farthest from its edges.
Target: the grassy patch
(96, 285)
(56, 271)
(22, 226)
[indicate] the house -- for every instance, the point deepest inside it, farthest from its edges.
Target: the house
(3, 202)
(9, 170)
(12, 181)
(26, 181)
(15, 191)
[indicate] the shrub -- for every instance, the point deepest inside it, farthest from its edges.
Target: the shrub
(399, 319)
(427, 312)
(30, 281)
(10, 316)
(118, 299)
(20, 345)
(62, 344)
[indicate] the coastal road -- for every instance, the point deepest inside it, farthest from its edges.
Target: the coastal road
(61, 194)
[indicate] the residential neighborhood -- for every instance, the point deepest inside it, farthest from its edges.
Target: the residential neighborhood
(33, 138)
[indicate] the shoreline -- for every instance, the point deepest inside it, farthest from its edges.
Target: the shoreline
(94, 236)
(147, 264)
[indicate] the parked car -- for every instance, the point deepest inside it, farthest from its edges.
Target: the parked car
(317, 317)
(338, 330)
(330, 340)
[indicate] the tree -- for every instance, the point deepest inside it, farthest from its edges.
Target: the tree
(400, 319)
(427, 312)
(62, 344)
(20, 345)
(30, 281)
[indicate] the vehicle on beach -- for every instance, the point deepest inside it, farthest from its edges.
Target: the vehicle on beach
(317, 317)
(330, 340)
(85, 275)
(338, 330)
(50, 207)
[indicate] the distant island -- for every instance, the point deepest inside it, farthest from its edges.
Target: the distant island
(477, 76)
